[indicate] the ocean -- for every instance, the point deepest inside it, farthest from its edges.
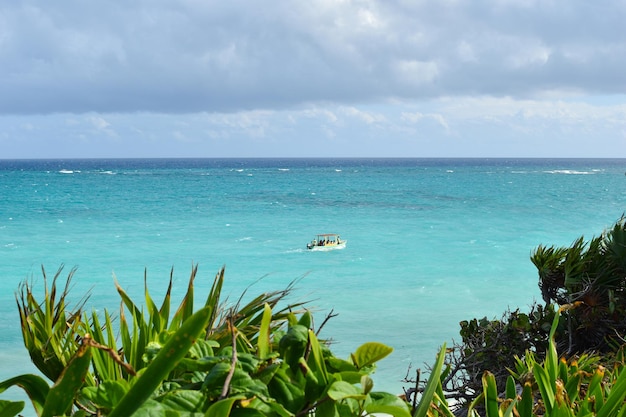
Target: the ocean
(431, 242)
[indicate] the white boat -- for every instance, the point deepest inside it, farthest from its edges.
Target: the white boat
(326, 241)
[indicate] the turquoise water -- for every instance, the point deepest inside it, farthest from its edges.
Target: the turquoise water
(431, 242)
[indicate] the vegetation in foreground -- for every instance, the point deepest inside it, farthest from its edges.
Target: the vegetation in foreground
(261, 360)
(247, 360)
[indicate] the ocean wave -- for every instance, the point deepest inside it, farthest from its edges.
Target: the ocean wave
(569, 172)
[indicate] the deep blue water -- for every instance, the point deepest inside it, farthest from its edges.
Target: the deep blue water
(431, 242)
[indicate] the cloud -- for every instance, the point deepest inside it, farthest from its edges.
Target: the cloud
(189, 56)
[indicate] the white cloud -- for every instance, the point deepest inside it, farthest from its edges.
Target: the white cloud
(324, 68)
(99, 122)
(190, 56)
(365, 116)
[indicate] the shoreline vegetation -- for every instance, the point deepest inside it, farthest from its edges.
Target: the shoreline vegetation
(563, 358)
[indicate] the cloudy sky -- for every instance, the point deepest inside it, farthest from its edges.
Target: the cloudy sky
(290, 78)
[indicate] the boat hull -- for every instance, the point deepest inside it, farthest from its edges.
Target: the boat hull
(326, 248)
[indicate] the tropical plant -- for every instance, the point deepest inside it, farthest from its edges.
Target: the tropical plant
(593, 273)
(253, 360)
(492, 345)
(556, 387)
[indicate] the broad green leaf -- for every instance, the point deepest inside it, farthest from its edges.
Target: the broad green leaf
(214, 381)
(395, 411)
(369, 353)
(340, 390)
(10, 408)
(341, 365)
(108, 393)
(151, 408)
(383, 402)
(293, 345)
(287, 393)
(223, 407)
(168, 357)
(351, 377)
(35, 387)
(183, 400)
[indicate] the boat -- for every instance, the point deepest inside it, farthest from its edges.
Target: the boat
(326, 242)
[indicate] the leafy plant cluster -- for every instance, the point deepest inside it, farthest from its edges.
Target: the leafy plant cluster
(250, 360)
(494, 345)
(555, 386)
(590, 275)
(594, 274)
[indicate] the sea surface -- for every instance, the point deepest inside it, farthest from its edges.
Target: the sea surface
(431, 242)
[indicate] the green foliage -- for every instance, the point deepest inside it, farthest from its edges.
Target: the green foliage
(493, 345)
(590, 274)
(49, 328)
(556, 387)
(252, 360)
(593, 273)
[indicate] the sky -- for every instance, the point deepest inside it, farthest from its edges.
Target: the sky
(314, 78)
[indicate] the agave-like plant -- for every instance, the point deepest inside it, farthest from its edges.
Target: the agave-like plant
(54, 334)
(49, 327)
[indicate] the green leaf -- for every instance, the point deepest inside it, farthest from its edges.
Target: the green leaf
(264, 332)
(306, 320)
(184, 400)
(616, 397)
(61, 395)
(387, 409)
(168, 357)
(108, 393)
(544, 383)
(491, 394)
(383, 402)
(431, 385)
(511, 391)
(35, 387)
(10, 408)
(367, 384)
(525, 405)
(369, 353)
(316, 359)
(223, 407)
(185, 309)
(340, 390)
